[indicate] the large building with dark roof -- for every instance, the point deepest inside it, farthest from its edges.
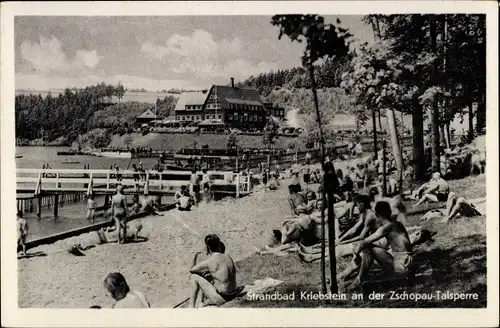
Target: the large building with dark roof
(230, 106)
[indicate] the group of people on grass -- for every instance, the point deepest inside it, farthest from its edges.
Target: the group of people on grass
(369, 226)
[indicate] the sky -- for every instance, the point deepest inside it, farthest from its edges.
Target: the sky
(55, 52)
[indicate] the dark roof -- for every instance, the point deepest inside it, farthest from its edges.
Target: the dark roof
(190, 98)
(241, 96)
(148, 114)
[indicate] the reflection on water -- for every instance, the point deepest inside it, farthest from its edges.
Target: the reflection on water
(71, 216)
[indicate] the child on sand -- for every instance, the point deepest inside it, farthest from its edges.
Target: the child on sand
(91, 207)
(22, 231)
(119, 290)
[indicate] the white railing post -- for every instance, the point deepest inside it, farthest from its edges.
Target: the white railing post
(90, 186)
(107, 179)
(237, 185)
(146, 185)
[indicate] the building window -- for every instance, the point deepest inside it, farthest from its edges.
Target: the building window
(207, 117)
(213, 117)
(230, 117)
(220, 117)
(236, 116)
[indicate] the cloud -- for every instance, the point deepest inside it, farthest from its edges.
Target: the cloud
(44, 82)
(47, 56)
(202, 57)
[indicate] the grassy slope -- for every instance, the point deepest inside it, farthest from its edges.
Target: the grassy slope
(458, 259)
(177, 141)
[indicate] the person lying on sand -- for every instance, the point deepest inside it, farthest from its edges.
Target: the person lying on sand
(22, 231)
(273, 182)
(118, 289)
(398, 259)
(119, 213)
(214, 278)
(436, 191)
(455, 207)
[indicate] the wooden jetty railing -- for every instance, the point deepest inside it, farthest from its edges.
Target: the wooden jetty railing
(41, 183)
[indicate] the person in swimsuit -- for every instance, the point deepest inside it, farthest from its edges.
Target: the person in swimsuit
(297, 201)
(396, 259)
(213, 278)
(366, 222)
(206, 183)
(22, 231)
(91, 207)
(436, 191)
(119, 213)
(455, 207)
(118, 289)
(194, 184)
(184, 202)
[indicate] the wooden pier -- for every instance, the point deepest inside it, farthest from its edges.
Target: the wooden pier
(51, 187)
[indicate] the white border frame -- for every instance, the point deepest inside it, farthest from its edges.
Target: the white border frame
(12, 316)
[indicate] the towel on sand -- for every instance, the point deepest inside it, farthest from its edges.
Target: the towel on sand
(262, 286)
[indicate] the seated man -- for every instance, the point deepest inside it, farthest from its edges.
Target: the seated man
(436, 191)
(478, 162)
(398, 207)
(296, 200)
(395, 260)
(456, 206)
(296, 181)
(150, 204)
(214, 278)
(117, 287)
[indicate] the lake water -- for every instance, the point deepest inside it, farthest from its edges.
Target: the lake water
(71, 216)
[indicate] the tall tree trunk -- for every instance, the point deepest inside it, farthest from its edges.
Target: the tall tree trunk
(471, 122)
(481, 115)
(419, 164)
(384, 158)
(396, 149)
(447, 137)
(322, 150)
(374, 122)
(435, 108)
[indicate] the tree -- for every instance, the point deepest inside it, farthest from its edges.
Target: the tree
(270, 133)
(322, 41)
(128, 141)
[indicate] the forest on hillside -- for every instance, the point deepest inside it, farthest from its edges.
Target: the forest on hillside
(76, 112)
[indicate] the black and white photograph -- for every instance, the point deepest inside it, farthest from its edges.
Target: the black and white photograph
(302, 157)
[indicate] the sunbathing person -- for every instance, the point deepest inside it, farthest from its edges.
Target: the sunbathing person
(455, 207)
(398, 207)
(395, 260)
(119, 290)
(273, 182)
(22, 231)
(436, 191)
(214, 278)
(391, 185)
(184, 202)
(365, 224)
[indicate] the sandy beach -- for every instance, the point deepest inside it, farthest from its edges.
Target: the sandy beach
(157, 267)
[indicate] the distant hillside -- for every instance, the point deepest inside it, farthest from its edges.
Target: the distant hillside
(143, 97)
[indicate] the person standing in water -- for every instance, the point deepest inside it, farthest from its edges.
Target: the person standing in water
(119, 213)
(22, 231)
